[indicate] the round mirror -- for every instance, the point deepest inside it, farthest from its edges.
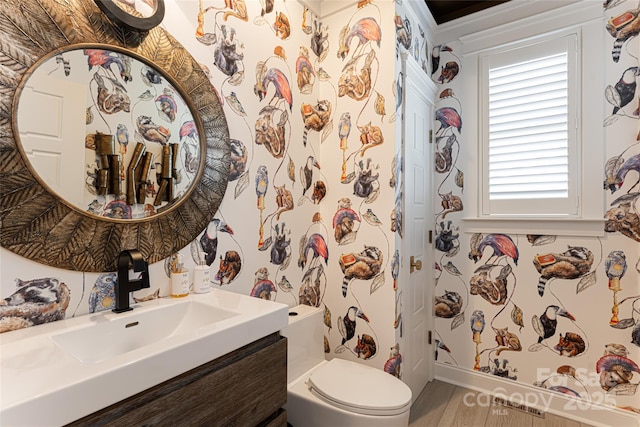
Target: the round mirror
(38, 223)
(113, 135)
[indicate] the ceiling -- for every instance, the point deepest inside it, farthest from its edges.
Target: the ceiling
(448, 10)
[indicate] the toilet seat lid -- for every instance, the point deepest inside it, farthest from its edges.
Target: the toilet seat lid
(359, 388)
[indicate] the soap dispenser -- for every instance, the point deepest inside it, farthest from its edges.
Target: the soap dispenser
(201, 277)
(179, 277)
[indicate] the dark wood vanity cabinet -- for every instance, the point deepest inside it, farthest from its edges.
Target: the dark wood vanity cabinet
(246, 387)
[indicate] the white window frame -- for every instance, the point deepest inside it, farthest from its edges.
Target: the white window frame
(587, 217)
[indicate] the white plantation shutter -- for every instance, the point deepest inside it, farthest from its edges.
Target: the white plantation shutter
(529, 144)
(528, 136)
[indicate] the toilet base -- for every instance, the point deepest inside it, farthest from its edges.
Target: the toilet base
(304, 409)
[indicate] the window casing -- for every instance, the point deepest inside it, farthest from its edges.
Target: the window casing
(581, 212)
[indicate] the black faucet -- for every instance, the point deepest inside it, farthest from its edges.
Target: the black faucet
(123, 286)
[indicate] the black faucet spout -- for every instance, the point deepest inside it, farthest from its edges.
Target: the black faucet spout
(127, 259)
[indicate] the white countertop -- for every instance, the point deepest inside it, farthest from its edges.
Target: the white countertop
(42, 384)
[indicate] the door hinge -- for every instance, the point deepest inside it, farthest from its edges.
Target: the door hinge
(429, 337)
(430, 236)
(430, 136)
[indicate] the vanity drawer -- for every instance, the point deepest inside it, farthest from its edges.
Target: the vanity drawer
(246, 387)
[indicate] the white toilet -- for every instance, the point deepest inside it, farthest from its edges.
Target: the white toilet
(337, 392)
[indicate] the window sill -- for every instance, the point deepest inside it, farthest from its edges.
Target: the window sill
(584, 227)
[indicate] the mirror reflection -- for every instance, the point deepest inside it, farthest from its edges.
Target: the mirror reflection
(108, 133)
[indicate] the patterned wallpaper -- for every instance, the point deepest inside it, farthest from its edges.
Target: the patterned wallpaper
(557, 312)
(312, 212)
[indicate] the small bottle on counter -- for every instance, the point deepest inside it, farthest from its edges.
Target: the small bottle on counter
(201, 275)
(179, 278)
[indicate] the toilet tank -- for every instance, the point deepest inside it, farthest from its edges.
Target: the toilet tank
(305, 340)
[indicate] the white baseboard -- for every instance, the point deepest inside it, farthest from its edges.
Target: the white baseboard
(543, 400)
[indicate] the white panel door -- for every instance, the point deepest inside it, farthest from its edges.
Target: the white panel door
(419, 357)
(52, 127)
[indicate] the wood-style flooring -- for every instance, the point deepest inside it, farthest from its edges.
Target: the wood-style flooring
(443, 405)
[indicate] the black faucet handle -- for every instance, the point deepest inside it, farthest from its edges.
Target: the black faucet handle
(144, 277)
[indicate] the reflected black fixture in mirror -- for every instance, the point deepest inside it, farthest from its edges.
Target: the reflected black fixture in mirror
(38, 224)
(120, 16)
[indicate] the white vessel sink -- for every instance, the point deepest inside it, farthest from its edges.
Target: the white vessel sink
(56, 373)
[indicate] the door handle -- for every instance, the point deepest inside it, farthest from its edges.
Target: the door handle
(417, 265)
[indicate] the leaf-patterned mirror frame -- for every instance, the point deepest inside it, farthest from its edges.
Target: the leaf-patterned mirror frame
(38, 225)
